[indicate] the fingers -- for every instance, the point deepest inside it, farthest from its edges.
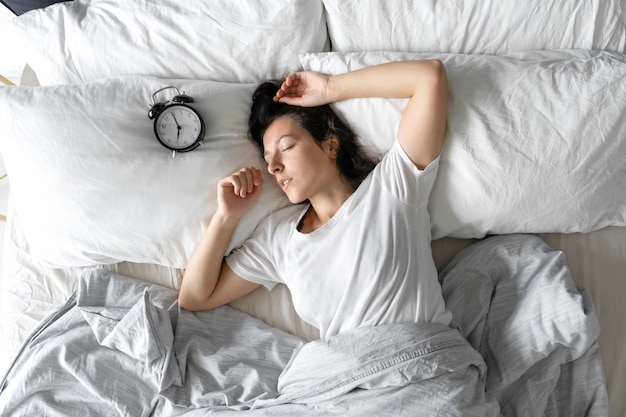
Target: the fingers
(244, 181)
(289, 88)
(304, 88)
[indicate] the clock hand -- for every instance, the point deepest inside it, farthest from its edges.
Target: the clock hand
(178, 127)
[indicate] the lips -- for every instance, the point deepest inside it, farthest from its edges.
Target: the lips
(284, 183)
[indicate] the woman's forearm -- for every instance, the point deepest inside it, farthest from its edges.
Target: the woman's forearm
(205, 265)
(400, 79)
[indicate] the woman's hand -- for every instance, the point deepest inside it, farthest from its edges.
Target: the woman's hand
(306, 89)
(238, 192)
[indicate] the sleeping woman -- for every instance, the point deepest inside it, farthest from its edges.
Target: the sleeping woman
(356, 251)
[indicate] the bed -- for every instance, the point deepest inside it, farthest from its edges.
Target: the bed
(528, 214)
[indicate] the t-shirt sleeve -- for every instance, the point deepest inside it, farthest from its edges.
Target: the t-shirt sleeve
(253, 260)
(399, 175)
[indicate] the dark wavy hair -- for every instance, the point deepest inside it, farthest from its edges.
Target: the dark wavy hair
(354, 161)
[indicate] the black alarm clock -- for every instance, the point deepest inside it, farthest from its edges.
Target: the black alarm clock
(177, 125)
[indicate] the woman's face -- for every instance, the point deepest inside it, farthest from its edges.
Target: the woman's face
(301, 167)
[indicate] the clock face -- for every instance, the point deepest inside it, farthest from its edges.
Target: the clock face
(179, 127)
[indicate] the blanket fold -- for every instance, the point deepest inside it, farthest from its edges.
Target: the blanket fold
(143, 332)
(377, 357)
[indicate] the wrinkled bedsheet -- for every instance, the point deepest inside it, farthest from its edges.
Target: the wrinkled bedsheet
(523, 343)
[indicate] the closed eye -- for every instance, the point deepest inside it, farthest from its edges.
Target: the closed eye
(284, 143)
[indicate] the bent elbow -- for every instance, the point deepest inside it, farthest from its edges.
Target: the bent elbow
(432, 76)
(189, 303)
(438, 72)
(439, 66)
(184, 303)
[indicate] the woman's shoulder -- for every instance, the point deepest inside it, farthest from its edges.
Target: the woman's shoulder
(398, 175)
(396, 159)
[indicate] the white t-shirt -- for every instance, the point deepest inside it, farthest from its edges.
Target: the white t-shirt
(370, 264)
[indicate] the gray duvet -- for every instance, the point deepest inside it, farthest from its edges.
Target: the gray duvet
(523, 343)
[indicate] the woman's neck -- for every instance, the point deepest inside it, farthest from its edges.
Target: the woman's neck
(324, 206)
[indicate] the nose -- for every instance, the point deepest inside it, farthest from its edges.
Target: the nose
(273, 165)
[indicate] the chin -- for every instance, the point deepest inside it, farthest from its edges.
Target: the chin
(296, 199)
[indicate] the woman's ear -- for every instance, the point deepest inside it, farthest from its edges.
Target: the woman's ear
(333, 144)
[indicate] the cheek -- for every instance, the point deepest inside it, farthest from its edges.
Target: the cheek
(315, 155)
(307, 163)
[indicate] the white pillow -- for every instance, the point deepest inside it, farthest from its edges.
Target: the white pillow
(475, 26)
(221, 40)
(92, 185)
(535, 142)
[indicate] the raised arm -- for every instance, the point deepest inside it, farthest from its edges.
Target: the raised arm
(423, 122)
(208, 282)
